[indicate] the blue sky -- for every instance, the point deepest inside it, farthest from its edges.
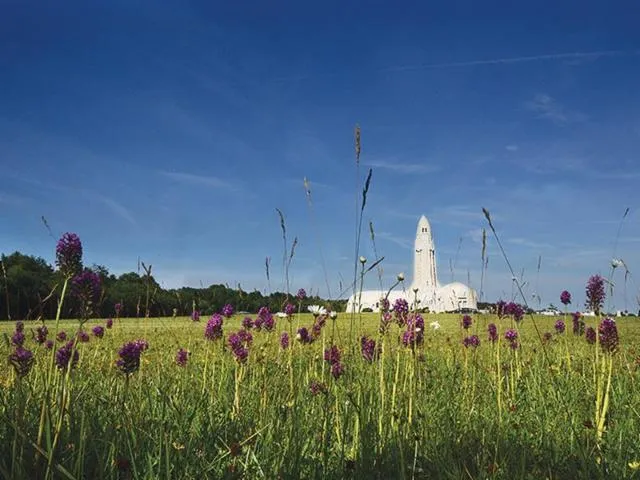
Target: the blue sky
(172, 133)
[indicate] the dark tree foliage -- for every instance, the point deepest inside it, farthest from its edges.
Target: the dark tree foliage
(31, 289)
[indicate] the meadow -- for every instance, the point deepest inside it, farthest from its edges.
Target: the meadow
(229, 406)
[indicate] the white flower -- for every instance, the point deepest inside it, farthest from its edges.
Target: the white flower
(401, 277)
(435, 325)
(418, 329)
(617, 262)
(317, 310)
(281, 315)
(363, 260)
(333, 315)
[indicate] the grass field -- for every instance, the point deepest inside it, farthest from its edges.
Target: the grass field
(547, 409)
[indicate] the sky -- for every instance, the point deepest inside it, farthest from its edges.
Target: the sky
(172, 131)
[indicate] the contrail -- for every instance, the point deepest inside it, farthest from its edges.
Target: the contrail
(472, 63)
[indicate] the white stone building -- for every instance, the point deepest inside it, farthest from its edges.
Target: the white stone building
(425, 288)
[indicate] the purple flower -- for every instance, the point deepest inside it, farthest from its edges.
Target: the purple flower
(500, 308)
(560, 327)
(578, 323)
(565, 298)
(48, 344)
(118, 308)
(18, 338)
(109, 322)
(69, 254)
(241, 354)
(385, 321)
(22, 361)
(595, 293)
(368, 348)
(130, 356)
(234, 341)
(511, 335)
(301, 295)
(303, 335)
(86, 285)
(400, 309)
(471, 341)
(493, 332)
(466, 321)
(318, 324)
(61, 336)
(337, 370)
(515, 310)
(316, 387)
(245, 337)
(98, 331)
(590, 335)
(289, 309)
(83, 336)
(227, 310)
(19, 326)
(247, 323)
(181, 357)
(284, 340)
(195, 315)
(65, 354)
(608, 335)
(213, 329)
(384, 304)
(41, 334)
(332, 355)
(265, 319)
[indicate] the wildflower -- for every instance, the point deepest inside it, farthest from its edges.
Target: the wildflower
(337, 370)
(245, 337)
(511, 335)
(109, 322)
(578, 323)
(86, 285)
(471, 341)
(590, 335)
(65, 354)
(401, 310)
(227, 310)
(318, 324)
(368, 348)
(48, 344)
(98, 331)
(363, 259)
(400, 277)
(41, 334)
(22, 361)
(130, 356)
(181, 357)
(213, 329)
(289, 309)
(83, 336)
(384, 304)
(247, 323)
(18, 338)
(385, 321)
(332, 355)
(515, 310)
(118, 308)
(241, 354)
(559, 326)
(61, 336)
(500, 308)
(435, 325)
(317, 387)
(19, 326)
(301, 295)
(234, 341)
(492, 332)
(195, 316)
(317, 310)
(303, 335)
(466, 321)
(69, 254)
(565, 298)
(608, 335)
(595, 293)
(333, 315)
(284, 340)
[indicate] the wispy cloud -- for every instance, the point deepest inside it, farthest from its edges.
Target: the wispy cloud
(403, 168)
(117, 208)
(511, 148)
(192, 179)
(547, 107)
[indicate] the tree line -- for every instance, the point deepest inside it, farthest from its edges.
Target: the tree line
(31, 289)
